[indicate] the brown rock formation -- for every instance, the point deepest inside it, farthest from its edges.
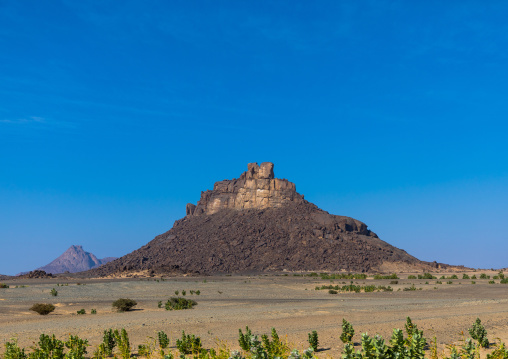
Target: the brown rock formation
(255, 189)
(260, 223)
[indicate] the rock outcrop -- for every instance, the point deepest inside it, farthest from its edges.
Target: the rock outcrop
(36, 274)
(255, 189)
(259, 223)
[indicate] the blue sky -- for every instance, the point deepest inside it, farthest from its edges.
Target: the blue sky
(115, 114)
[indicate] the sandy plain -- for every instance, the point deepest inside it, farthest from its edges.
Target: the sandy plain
(226, 303)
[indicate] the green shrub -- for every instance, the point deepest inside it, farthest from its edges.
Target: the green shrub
(484, 276)
(177, 292)
(13, 351)
(43, 308)
(245, 340)
(426, 276)
(275, 348)
(391, 276)
(189, 344)
(108, 342)
(76, 346)
(478, 332)
(184, 292)
(465, 276)
(473, 276)
(454, 276)
(347, 332)
(332, 291)
(410, 288)
(163, 340)
(491, 282)
(198, 292)
(122, 341)
(313, 340)
(178, 303)
(2, 285)
(48, 347)
(124, 304)
(81, 311)
(394, 282)
(54, 292)
(411, 277)
(93, 311)
(504, 280)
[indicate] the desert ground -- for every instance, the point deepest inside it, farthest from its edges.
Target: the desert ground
(227, 303)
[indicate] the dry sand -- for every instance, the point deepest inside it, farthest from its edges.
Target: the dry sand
(227, 303)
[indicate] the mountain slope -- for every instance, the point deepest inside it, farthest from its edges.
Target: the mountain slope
(259, 223)
(75, 259)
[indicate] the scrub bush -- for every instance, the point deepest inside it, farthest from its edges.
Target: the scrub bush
(43, 308)
(124, 304)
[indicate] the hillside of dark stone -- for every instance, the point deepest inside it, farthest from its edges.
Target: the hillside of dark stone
(295, 237)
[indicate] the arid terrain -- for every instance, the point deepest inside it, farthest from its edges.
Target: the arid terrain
(226, 303)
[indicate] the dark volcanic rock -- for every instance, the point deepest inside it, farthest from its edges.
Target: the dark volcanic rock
(75, 259)
(259, 223)
(37, 274)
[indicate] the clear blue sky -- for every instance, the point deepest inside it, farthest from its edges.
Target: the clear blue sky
(115, 114)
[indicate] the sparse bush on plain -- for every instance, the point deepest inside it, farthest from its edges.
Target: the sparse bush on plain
(124, 304)
(178, 303)
(2, 285)
(391, 276)
(54, 292)
(81, 312)
(43, 308)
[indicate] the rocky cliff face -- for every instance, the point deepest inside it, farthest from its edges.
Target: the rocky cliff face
(255, 189)
(259, 223)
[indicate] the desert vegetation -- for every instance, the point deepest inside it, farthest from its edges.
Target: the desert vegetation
(407, 344)
(124, 304)
(43, 308)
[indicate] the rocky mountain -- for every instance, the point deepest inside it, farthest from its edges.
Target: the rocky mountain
(260, 223)
(75, 259)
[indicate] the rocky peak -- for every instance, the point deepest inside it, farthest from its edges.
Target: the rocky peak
(256, 188)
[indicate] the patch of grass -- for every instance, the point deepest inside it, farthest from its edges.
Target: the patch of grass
(81, 312)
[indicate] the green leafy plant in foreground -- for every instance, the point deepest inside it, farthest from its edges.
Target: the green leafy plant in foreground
(13, 351)
(123, 343)
(189, 344)
(478, 332)
(347, 332)
(313, 340)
